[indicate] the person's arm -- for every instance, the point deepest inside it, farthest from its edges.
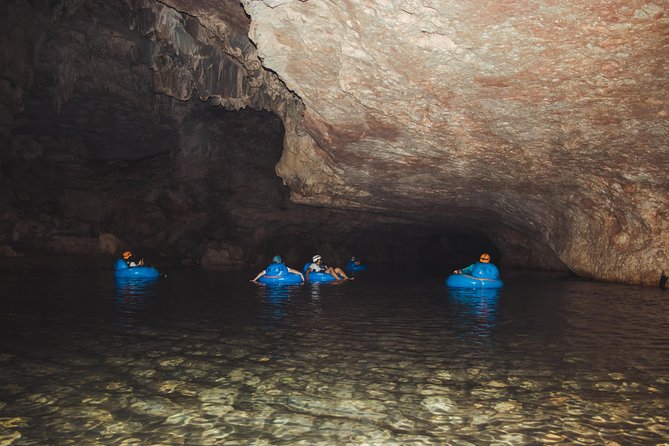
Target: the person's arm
(255, 279)
(468, 270)
(294, 271)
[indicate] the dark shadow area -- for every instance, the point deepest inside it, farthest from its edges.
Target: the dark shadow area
(413, 248)
(213, 199)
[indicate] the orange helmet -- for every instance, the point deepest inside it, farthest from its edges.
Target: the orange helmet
(127, 255)
(485, 258)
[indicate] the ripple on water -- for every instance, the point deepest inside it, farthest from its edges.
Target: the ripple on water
(216, 395)
(289, 426)
(131, 441)
(154, 405)
(141, 372)
(121, 427)
(345, 408)
(660, 429)
(36, 404)
(216, 435)
(370, 369)
(438, 404)
(8, 436)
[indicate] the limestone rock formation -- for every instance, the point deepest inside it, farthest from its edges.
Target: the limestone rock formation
(404, 128)
(543, 123)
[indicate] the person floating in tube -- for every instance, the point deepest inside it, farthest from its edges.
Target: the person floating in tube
(485, 258)
(318, 267)
(131, 260)
(277, 260)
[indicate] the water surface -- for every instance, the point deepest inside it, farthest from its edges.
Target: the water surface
(210, 358)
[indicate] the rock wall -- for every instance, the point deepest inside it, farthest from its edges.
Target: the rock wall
(117, 118)
(137, 125)
(544, 124)
(536, 129)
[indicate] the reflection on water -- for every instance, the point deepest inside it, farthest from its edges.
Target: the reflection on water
(275, 297)
(204, 359)
(132, 294)
(479, 305)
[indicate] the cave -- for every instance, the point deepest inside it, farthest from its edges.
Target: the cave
(218, 134)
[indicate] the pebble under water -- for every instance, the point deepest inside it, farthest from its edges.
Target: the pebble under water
(202, 358)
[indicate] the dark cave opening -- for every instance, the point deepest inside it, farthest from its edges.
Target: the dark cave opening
(414, 248)
(211, 188)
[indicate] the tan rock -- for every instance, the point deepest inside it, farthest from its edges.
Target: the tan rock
(541, 125)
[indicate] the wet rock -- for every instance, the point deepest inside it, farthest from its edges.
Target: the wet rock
(438, 404)
(155, 406)
(9, 437)
(219, 396)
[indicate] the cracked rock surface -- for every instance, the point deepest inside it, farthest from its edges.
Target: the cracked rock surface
(541, 126)
(543, 123)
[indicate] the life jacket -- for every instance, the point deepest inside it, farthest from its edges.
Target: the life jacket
(276, 269)
(485, 271)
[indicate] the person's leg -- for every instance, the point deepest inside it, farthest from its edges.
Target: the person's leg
(332, 272)
(341, 273)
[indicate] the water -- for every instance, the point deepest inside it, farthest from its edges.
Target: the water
(210, 358)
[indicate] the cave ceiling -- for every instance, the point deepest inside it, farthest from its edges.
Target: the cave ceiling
(531, 119)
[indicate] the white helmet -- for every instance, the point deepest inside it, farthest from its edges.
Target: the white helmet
(315, 258)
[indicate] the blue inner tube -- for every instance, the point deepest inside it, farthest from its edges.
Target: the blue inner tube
(316, 277)
(278, 274)
(320, 277)
(482, 275)
(122, 270)
(351, 267)
(283, 279)
(464, 281)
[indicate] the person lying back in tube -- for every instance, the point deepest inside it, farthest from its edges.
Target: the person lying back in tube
(318, 267)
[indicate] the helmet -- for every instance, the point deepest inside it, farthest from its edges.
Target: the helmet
(485, 258)
(276, 259)
(127, 255)
(315, 258)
